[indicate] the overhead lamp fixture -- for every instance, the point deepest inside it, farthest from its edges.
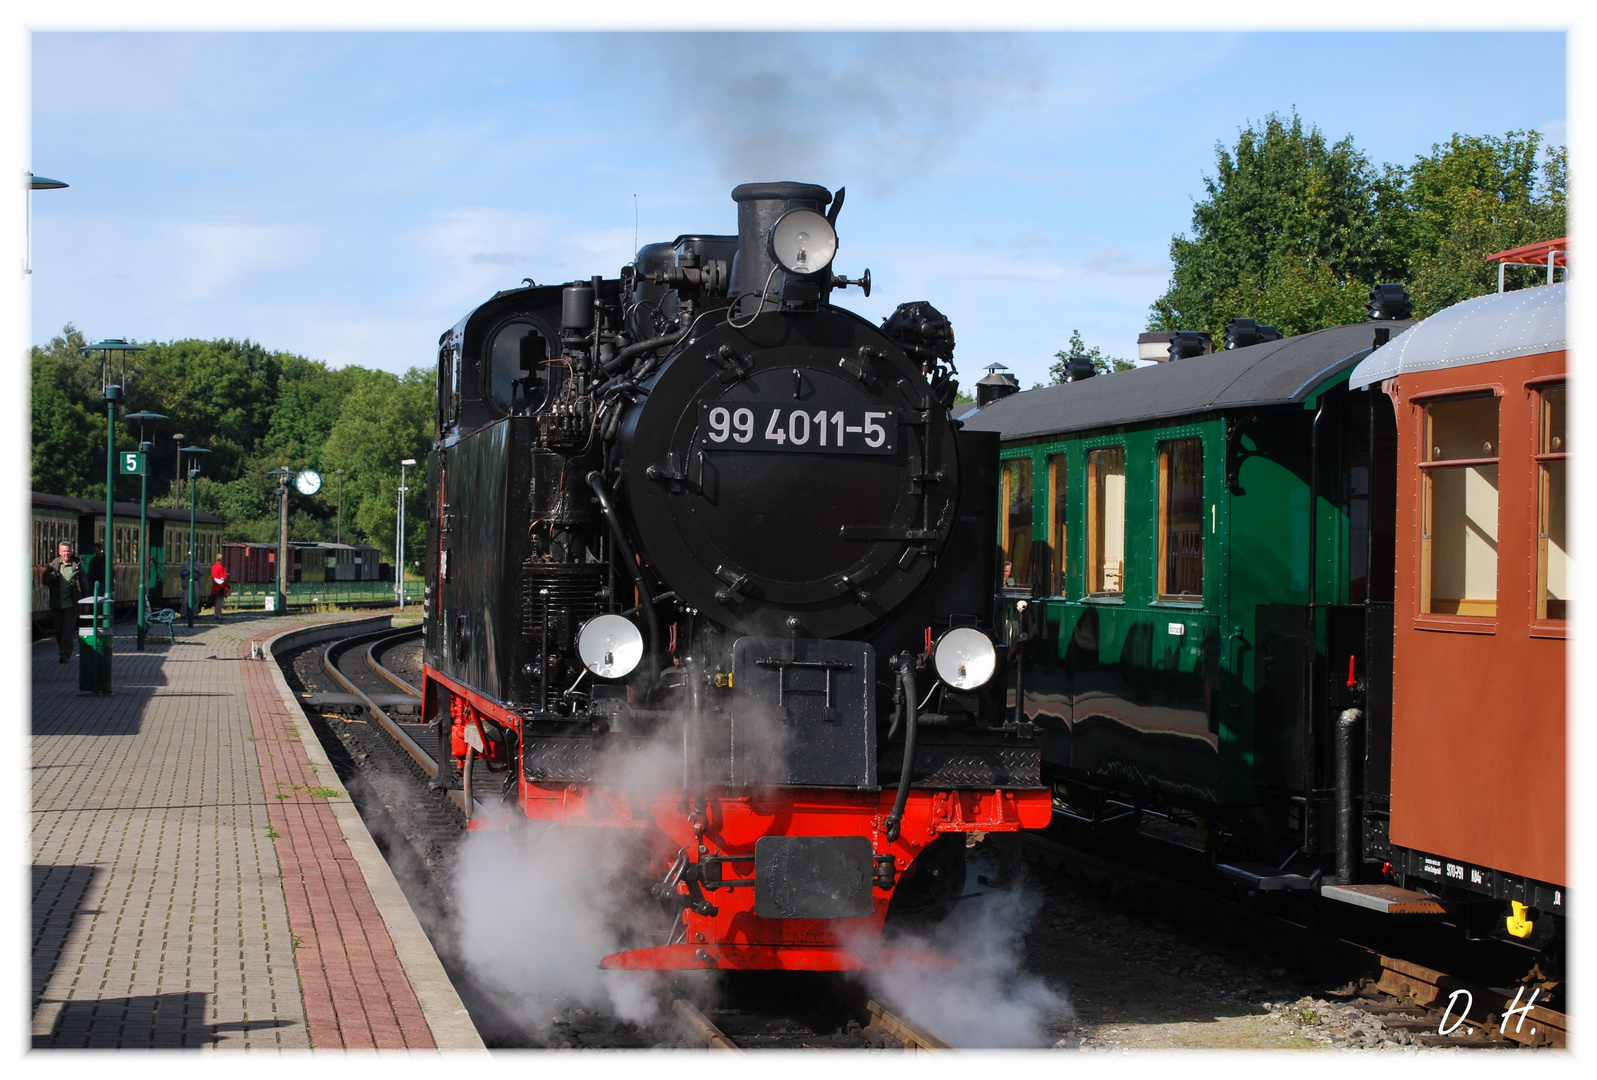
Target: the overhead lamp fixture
(803, 242)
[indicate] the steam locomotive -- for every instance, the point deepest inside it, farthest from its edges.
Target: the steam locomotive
(709, 578)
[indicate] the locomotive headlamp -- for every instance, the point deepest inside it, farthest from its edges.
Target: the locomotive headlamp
(610, 646)
(803, 242)
(964, 658)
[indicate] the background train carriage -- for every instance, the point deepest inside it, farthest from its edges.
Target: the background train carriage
(1478, 797)
(62, 517)
(1160, 517)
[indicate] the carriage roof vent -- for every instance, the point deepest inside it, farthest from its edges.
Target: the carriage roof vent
(1240, 333)
(1163, 345)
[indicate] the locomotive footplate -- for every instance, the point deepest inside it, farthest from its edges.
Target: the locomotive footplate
(966, 761)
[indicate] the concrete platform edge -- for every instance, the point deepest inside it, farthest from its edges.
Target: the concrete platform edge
(451, 1024)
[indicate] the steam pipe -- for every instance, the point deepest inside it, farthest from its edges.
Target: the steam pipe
(1347, 726)
(906, 686)
(621, 360)
(624, 549)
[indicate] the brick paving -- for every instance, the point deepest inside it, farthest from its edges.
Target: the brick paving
(355, 991)
(190, 889)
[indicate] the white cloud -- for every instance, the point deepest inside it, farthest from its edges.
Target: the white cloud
(1107, 259)
(205, 259)
(473, 251)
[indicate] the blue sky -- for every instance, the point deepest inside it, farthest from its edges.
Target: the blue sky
(349, 196)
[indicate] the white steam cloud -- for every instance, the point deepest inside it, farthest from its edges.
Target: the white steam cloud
(989, 1001)
(537, 911)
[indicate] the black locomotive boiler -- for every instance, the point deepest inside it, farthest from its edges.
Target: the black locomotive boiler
(709, 571)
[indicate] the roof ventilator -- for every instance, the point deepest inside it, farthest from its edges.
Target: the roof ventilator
(1240, 333)
(1390, 302)
(1078, 368)
(1188, 343)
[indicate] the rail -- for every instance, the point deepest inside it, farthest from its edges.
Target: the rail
(253, 594)
(700, 1029)
(908, 1033)
(401, 737)
(1459, 1006)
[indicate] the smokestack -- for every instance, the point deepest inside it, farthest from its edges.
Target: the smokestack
(759, 205)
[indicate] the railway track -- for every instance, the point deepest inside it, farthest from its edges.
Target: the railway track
(884, 1028)
(354, 665)
(1433, 1007)
(367, 694)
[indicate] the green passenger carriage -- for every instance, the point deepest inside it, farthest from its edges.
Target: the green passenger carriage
(1180, 634)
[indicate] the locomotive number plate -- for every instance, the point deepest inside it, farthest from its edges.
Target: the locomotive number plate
(812, 428)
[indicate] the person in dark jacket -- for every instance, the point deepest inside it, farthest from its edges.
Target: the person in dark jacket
(68, 582)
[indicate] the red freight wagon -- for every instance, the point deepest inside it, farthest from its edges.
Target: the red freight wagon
(250, 562)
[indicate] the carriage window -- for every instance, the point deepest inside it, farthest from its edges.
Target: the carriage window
(1106, 521)
(1552, 539)
(518, 374)
(1181, 520)
(1458, 554)
(1057, 488)
(1015, 523)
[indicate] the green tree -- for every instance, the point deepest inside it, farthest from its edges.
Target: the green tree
(1287, 233)
(1103, 365)
(257, 410)
(63, 430)
(384, 420)
(1470, 197)
(1293, 232)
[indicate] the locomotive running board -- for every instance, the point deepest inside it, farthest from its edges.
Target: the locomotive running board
(774, 958)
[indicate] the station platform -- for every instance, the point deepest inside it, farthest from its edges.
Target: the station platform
(200, 877)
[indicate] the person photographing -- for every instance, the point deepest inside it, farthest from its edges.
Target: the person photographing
(68, 582)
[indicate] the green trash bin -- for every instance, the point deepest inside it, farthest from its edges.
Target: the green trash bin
(94, 645)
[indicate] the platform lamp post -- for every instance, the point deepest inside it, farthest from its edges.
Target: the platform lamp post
(340, 473)
(177, 471)
(194, 472)
(94, 665)
(35, 183)
(399, 558)
(139, 463)
(281, 587)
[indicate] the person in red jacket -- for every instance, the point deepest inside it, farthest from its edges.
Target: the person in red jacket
(219, 585)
